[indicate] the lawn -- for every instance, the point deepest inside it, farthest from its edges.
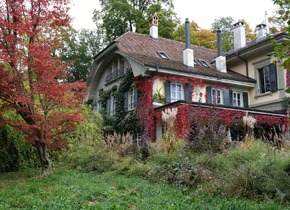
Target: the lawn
(71, 189)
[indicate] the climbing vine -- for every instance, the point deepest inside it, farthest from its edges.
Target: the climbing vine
(144, 118)
(123, 121)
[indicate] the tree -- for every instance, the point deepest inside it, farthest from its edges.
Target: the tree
(119, 16)
(226, 26)
(198, 36)
(32, 75)
(282, 50)
(78, 51)
(179, 34)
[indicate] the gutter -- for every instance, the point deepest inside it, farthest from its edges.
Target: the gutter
(247, 65)
(217, 106)
(179, 72)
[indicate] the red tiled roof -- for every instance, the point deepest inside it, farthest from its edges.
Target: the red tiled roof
(143, 48)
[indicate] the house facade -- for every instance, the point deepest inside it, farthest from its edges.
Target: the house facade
(138, 76)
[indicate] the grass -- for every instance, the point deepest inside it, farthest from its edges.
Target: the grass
(71, 189)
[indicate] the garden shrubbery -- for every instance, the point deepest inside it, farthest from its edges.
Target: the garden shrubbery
(252, 169)
(14, 152)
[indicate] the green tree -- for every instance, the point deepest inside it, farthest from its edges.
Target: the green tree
(179, 34)
(198, 36)
(119, 16)
(282, 50)
(226, 26)
(78, 52)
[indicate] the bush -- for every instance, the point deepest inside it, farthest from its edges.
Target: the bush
(14, 153)
(208, 137)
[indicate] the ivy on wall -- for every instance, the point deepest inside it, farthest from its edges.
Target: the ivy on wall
(123, 121)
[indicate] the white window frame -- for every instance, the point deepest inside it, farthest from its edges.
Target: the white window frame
(216, 98)
(176, 94)
(238, 101)
(131, 98)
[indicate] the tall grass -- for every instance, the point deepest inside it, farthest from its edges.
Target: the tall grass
(69, 189)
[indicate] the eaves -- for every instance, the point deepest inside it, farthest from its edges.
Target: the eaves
(179, 72)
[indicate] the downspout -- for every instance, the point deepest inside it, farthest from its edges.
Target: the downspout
(247, 65)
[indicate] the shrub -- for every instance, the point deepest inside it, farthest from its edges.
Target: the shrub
(14, 153)
(209, 137)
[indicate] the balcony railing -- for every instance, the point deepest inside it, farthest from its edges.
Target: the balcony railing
(114, 75)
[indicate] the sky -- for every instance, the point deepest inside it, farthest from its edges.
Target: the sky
(203, 12)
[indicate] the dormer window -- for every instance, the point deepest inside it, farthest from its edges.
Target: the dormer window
(162, 54)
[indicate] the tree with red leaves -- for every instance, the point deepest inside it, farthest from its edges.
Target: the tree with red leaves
(32, 76)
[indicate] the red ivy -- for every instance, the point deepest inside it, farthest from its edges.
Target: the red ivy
(148, 117)
(145, 111)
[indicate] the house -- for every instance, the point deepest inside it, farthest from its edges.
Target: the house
(138, 76)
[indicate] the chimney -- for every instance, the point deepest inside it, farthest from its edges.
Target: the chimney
(220, 61)
(219, 41)
(187, 52)
(239, 35)
(267, 22)
(153, 22)
(261, 30)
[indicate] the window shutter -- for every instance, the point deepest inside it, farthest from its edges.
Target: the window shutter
(126, 101)
(273, 77)
(208, 95)
(245, 100)
(167, 92)
(227, 97)
(188, 92)
(231, 97)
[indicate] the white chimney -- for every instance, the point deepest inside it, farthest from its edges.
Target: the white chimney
(261, 30)
(221, 64)
(187, 52)
(153, 22)
(220, 61)
(267, 22)
(239, 35)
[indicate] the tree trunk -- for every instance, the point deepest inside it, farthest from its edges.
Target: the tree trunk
(43, 156)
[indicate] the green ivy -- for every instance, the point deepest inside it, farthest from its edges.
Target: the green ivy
(123, 121)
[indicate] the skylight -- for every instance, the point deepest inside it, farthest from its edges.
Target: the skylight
(204, 63)
(162, 54)
(195, 62)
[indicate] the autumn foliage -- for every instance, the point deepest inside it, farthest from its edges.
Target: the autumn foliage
(32, 76)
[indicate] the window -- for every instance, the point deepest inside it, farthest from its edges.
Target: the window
(216, 96)
(203, 63)
(267, 78)
(132, 98)
(99, 106)
(238, 99)
(162, 54)
(117, 70)
(113, 105)
(264, 79)
(176, 92)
